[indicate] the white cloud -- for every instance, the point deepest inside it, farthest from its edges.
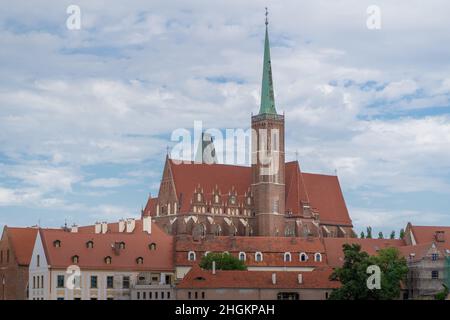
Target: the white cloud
(108, 183)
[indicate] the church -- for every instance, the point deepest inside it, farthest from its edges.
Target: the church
(210, 200)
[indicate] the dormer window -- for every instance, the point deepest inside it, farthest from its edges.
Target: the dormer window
(57, 243)
(90, 244)
(242, 256)
(140, 260)
(122, 245)
(152, 246)
(75, 259)
(287, 257)
(108, 260)
(191, 256)
(303, 257)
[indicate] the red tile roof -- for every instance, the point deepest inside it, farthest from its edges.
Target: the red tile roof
(321, 191)
(335, 254)
(199, 278)
(136, 245)
(425, 234)
(272, 248)
(22, 241)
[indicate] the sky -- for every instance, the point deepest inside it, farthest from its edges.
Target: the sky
(86, 115)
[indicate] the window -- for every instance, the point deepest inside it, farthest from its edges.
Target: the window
(90, 244)
(162, 295)
(140, 260)
(126, 282)
(94, 282)
(288, 296)
(75, 259)
(303, 257)
(122, 245)
(7, 256)
(60, 281)
(196, 295)
(34, 282)
(276, 205)
(60, 298)
(110, 298)
(138, 295)
(152, 246)
(203, 294)
(189, 295)
(57, 243)
(191, 256)
(318, 257)
(144, 295)
(435, 256)
(168, 294)
(242, 256)
(258, 257)
(287, 257)
(435, 274)
(110, 282)
(42, 281)
(108, 260)
(38, 260)
(1, 256)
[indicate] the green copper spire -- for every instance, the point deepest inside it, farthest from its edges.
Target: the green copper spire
(267, 96)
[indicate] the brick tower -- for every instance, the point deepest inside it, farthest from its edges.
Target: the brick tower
(268, 157)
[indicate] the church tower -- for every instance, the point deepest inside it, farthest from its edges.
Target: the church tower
(268, 185)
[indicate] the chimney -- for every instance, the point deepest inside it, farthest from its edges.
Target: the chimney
(104, 227)
(98, 227)
(74, 228)
(147, 224)
(274, 278)
(213, 267)
(121, 225)
(131, 223)
(440, 236)
(300, 278)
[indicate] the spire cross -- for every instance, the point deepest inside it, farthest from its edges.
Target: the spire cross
(267, 20)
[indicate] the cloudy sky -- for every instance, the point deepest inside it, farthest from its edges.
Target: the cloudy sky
(86, 115)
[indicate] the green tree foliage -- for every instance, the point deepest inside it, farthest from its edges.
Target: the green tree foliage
(224, 261)
(402, 233)
(369, 233)
(392, 236)
(442, 295)
(380, 235)
(353, 274)
(362, 236)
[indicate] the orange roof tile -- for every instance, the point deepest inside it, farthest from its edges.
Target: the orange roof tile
(424, 234)
(22, 241)
(335, 254)
(136, 245)
(199, 278)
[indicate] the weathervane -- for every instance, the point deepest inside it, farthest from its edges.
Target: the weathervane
(267, 13)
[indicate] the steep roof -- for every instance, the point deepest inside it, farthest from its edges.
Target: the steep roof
(426, 234)
(335, 253)
(22, 241)
(322, 192)
(136, 245)
(199, 278)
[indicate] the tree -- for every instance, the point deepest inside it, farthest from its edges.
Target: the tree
(380, 235)
(442, 295)
(224, 261)
(369, 233)
(362, 235)
(353, 274)
(392, 236)
(402, 233)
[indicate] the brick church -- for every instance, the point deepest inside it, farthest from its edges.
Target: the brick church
(207, 200)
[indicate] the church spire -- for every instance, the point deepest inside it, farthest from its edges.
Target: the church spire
(267, 95)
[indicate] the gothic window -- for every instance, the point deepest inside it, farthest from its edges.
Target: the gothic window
(199, 197)
(318, 257)
(258, 257)
(191, 256)
(287, 257)
(303, 257)
(249, 201)
(216, 198)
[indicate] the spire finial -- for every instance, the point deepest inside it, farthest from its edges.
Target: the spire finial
(267, 13)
